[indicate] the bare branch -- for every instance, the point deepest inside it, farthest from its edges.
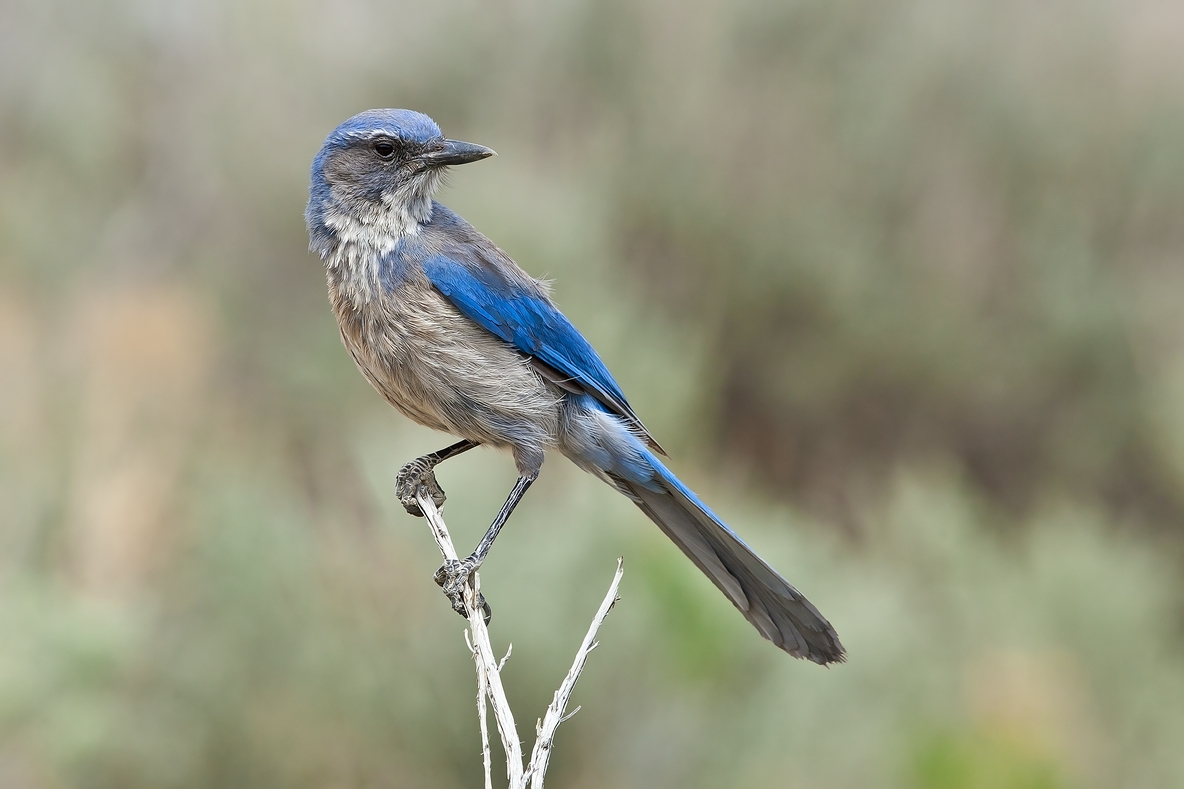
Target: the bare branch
(541, 753)
(482, 693)
(489, 682)
(486, 662)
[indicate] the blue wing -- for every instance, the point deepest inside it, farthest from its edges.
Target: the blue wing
(527, 319)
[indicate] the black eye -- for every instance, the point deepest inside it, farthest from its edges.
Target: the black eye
(384, 149)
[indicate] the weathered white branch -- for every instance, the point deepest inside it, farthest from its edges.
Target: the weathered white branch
(540, 755)
(487, 667)
(482, 693)
(489, 683)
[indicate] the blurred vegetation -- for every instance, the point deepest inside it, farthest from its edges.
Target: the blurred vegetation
(896, 281)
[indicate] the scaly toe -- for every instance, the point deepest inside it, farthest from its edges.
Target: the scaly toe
(411, 478)
(452, 577)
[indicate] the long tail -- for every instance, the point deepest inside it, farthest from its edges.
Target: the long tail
(779, 611)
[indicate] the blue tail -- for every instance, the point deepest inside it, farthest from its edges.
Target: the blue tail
(779, 611)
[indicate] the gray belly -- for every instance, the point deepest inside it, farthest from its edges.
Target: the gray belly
(446, 372)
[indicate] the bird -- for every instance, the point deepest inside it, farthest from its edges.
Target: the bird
(459, 338)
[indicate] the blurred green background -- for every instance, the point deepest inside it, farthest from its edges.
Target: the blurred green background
(899, 284)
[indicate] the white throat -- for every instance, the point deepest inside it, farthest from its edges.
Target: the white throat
(369, 232)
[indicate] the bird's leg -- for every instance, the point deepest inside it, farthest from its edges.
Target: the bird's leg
(453, 575)
(421, 473)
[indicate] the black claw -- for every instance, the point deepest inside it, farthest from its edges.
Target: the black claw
(486, 611)
(419, 473)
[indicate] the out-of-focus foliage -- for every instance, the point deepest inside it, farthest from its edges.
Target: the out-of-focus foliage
(902, 277)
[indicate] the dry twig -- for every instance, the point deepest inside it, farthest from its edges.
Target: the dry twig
(489, 683)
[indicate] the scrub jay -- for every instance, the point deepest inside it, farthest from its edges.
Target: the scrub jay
(459, 338)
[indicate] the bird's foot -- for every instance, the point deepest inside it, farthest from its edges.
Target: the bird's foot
(453, 576)
(419, 473)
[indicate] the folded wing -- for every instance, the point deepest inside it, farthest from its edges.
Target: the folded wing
(526, 318)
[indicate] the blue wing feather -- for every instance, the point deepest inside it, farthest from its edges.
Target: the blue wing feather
(527, 319)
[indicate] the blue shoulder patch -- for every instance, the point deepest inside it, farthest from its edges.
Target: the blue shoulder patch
(529, 322)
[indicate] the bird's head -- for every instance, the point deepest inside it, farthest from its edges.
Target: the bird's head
(381, 167)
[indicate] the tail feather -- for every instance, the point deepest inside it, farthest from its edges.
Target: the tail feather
(779, 611)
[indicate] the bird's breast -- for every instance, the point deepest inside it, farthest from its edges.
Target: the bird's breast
(441, 369)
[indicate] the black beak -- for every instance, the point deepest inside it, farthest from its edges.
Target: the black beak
(456, 152)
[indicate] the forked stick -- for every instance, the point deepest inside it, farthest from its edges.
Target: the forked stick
(489, 683)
